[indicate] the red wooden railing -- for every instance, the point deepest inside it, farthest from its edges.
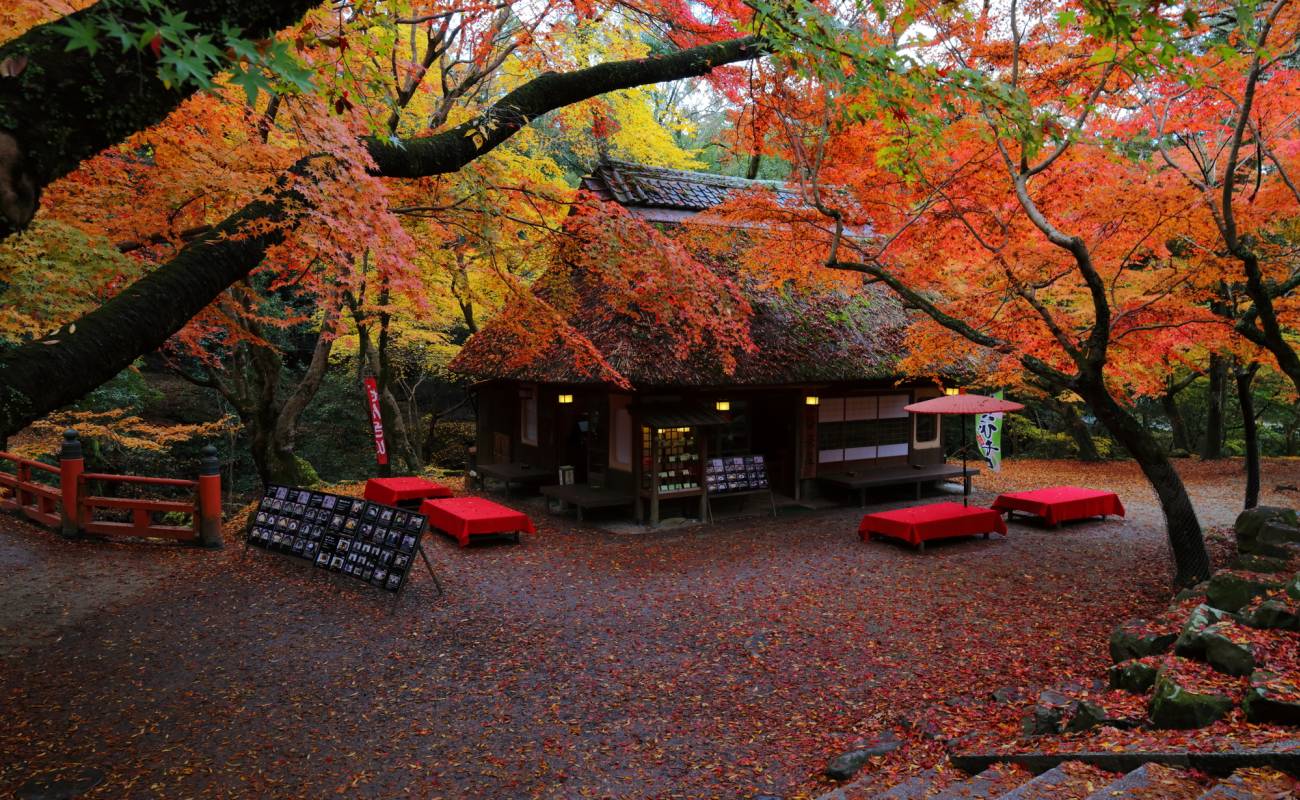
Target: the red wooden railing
(142, 522)
(72, 507)
(38, 501)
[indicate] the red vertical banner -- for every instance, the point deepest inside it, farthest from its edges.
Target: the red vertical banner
(372, 393)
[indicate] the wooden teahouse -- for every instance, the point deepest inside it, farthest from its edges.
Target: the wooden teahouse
(816, 410)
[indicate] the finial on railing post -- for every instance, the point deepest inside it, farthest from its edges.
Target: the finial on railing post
(71, 465)
(209, 510)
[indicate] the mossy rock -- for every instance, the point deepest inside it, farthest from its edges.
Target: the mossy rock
(1189, 643)
(1272, 614)
(1135, 675)
(1255, 547)
(1279, 533)
(1249, 562)
(1190, 592)
(1293, 588)
(1264, 704)
(1136, 639)
(1232, 592)
(1087, 715)
(1251, 521)
(1226, 655)
(1172, 706)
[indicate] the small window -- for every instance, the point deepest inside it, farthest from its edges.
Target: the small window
(528, 416)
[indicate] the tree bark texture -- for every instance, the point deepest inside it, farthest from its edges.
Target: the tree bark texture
(1191, 561)
(1245, 376)
(1216, 394)
(1078, 430)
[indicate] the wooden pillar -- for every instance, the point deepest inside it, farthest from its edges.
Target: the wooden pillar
(71, 465)
(209, 505)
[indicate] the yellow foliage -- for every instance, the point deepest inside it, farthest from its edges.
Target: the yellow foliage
(116, 427)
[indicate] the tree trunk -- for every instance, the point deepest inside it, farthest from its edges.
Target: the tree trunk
(1078, 430)
(1177, 425)
(41, 376)
(1250, 428)
(1191, 562)
(1214, 429)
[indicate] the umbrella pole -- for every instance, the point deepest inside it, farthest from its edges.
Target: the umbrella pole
(965, 478)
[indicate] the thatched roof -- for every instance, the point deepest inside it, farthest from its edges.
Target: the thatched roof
(800, 336)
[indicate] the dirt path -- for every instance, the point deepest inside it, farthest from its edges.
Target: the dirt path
(701, 662)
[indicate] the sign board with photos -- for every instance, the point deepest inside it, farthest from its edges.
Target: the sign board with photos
(736, 474)
(371, 542)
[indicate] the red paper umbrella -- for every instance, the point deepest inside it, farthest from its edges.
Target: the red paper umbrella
(963, 404)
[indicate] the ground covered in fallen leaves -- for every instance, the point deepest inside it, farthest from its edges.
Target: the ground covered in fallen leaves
(721, 661)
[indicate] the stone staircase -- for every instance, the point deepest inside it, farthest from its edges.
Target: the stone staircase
(1076, 780)
(1230, 643)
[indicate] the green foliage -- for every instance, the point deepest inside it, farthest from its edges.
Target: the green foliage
(184, 55)
(451, 442)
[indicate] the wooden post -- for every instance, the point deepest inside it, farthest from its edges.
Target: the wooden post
(71, 465)
(209, 509)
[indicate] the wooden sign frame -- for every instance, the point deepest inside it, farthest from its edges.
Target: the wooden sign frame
(370, 542)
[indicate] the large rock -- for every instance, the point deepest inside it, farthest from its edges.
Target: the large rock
(1251, 521)
(1137, 675)
(1087, 715)
(1138, 639)
(1172, 706)
(1270, 701)
(1049, 713)
(1189, 643)
(846, 765)
(1272, 614)
(1279, 533)
(1224, 654)
(1231, 591)
(1249, 562)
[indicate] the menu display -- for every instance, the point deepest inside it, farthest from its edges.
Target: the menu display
(735, 474)
(371, 542)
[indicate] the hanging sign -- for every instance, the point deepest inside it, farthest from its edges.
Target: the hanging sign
(377, 418)
(988, 437)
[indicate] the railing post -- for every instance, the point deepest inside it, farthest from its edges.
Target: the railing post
(71, 465)
(210, 499)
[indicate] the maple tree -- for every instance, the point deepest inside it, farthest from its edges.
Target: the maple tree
(312, 189)
(992, 163)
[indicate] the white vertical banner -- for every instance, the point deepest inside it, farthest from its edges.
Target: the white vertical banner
(988, 437)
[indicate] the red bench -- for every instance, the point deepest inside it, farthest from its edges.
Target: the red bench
(1059, 504)
(397, 491)
(919, 524)
(463, 517)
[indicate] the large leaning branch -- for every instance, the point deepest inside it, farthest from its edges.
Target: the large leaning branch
(41, 376)
(64, 107)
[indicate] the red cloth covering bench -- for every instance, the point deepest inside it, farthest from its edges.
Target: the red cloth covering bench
(918, 524)
(463, 517)
(392, 491)
(1057, 504)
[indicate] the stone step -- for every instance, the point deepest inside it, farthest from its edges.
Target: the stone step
(991, 783)
(1072, 780)
(1251, 784)
(917, 787)
(1284, 756)
(1148, 780)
